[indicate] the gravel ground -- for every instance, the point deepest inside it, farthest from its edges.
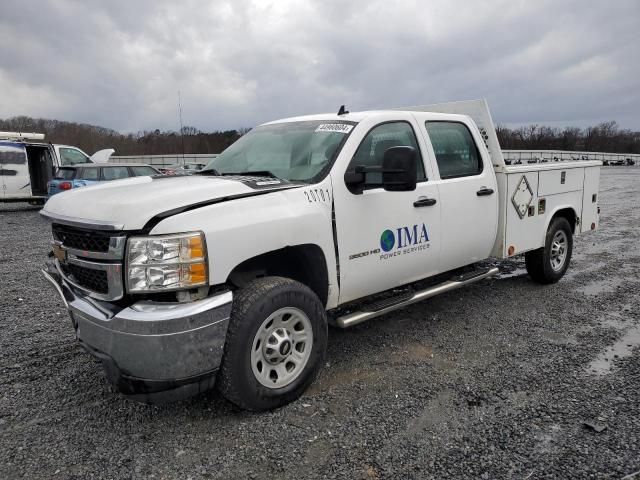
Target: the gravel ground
(492, 381)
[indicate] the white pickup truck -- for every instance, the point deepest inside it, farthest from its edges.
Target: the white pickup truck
(232, 275)
(27, 163)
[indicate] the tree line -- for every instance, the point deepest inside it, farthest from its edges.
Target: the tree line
(604, 137)
(91, 138)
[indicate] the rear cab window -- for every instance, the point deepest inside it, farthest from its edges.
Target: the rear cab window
(456, 152)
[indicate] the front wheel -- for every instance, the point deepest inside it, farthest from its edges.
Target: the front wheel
(276, 344)
(549, 263)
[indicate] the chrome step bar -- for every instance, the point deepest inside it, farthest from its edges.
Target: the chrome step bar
(355, 318)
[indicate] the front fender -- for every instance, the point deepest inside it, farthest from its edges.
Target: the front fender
(241, 229)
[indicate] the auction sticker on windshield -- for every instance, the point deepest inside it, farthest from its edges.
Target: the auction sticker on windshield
(334, 127)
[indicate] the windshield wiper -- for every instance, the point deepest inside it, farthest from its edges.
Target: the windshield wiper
(257, 173)
(209, 171)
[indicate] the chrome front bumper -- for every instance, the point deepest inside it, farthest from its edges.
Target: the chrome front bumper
(149, 346)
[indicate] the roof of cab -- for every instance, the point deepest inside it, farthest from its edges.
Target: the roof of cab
(357, 116)
(330, 117)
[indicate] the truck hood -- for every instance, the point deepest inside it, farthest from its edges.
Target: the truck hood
(129, 204)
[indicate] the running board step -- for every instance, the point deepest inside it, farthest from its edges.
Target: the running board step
(387, 303)
(390, 304)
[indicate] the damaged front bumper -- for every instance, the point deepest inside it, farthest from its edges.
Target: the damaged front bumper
(150, 350)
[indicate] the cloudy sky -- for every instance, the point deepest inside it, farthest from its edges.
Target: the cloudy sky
(121, 63)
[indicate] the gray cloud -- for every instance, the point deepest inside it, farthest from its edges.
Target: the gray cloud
(120, 63)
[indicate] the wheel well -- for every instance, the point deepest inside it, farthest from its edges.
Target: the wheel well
(570, 215)
(303, 263)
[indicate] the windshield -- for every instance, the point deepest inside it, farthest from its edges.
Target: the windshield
(297, 151)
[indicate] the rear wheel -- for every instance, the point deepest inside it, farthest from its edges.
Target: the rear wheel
(276, 344)
(549, 263)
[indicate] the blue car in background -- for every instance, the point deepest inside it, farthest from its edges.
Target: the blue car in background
(86, 174)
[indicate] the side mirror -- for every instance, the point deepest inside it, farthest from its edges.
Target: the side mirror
(399, 169)
(355, 180)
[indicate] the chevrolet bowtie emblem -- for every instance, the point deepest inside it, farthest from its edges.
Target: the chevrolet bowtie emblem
(59, 252)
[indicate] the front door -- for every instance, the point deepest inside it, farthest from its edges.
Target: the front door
(386, 239)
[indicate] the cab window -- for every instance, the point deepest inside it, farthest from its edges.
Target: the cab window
(370, 153)
(72, 156)
(456, 152)
(114, 173)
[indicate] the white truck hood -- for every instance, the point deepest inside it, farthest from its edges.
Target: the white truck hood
(129, 204)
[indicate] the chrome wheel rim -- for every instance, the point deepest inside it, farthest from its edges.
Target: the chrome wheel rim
(559, 250)
(281, 347)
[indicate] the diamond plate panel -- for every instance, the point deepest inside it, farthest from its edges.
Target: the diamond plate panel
(522, 197)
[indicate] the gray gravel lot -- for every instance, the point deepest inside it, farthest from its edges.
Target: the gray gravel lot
(493, 381)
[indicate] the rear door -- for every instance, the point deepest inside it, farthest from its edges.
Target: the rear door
(468, 189)
(385, 239)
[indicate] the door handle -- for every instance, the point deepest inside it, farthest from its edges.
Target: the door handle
(484, 191)
(425, 202)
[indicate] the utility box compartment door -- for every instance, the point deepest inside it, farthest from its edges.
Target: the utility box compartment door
(523, 225)
(590, 195)
(552, 182)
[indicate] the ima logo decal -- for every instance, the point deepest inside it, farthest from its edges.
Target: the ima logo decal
(403, 237)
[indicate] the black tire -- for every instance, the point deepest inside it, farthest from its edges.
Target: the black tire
(252, 305)
(538, 262)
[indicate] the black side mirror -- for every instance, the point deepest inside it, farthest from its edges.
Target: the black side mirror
(399, 169)
(355, 180)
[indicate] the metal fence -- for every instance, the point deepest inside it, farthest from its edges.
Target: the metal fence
(544, 156)
(511, 156)
(164, 160)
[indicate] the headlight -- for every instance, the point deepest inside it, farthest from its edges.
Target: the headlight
(166, 262)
